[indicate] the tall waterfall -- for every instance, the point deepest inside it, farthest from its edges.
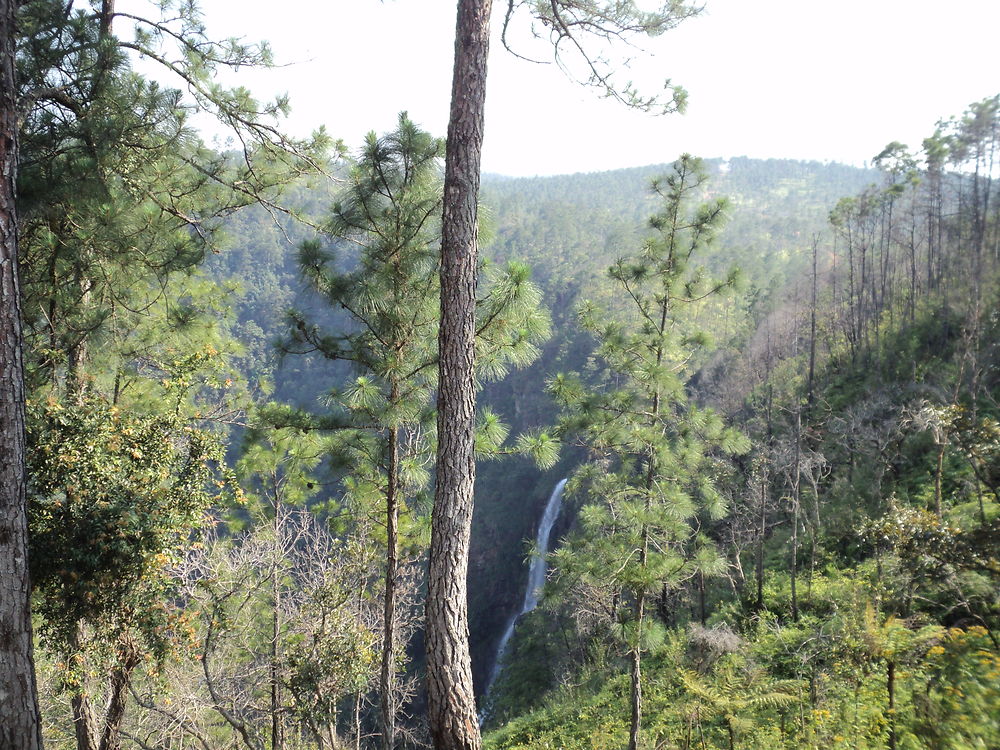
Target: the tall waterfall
(536, 579)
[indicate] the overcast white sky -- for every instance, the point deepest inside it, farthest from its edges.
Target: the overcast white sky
(806, 79)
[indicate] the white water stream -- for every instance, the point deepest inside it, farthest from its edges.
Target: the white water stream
(536, 579)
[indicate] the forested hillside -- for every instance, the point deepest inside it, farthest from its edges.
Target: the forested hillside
(570, 230)
(772, 388)
(840, 584)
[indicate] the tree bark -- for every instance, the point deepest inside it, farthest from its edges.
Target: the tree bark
(702, 612)
(796, 484)
(451, 701)
(83, 722)
(635, 700)
(20, 722)
(890, 680)
(937, 479)
(810, 397)
(387, 676)
(357, 721)
(83, 713)
(761, 533)
(121, 678)
(277, 742)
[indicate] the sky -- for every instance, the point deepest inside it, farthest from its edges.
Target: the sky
(830, 80)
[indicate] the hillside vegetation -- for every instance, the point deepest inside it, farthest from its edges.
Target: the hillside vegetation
(855, 603)
(773, 387)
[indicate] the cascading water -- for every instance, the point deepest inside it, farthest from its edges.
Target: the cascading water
(536, 579)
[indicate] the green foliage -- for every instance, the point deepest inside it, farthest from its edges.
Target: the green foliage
(389, 214)
(121, 205)
(835, 694)
(898, 408)
(656, 468)
(279, 629)
(114, 496)
(336, 658)
(737, 691)
(117, 194)
(655, 457)
(578, 34)
(960, 703)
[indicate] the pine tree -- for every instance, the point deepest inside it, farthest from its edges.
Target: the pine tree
(119, 200)
(383, 418)
(576, 28)
(656, 456)
(118, 194)
(390, 213)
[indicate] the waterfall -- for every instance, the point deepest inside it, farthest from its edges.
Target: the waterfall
(536, 579)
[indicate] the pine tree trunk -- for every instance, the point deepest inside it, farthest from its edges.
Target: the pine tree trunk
(275, 655)
(20, 723)
(702, 611)
(387, 676)
(636, 699)
(451, 701)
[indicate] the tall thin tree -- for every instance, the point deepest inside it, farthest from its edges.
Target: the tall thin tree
(20, 722)
(574, 27)
(451, 701)
(654, 455)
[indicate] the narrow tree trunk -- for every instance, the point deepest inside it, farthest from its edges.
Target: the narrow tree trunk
(76, 356)
(890, 680)
(387, 675)
(812, 330)
(913, 265)
(761, 532)
(20, 722)
(276, 735)
(796, 483)
(357, 721)
(83, 715)
(114, 717)
(83, 723)
(812, 563)
(450, 697)
(636, 672)
(939, 470)
(702, 612)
